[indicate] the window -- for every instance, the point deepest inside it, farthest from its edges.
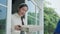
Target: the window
(3, 15)
(3, 2)
(33, 15)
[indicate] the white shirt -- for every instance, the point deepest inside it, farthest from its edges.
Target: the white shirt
(16, 20)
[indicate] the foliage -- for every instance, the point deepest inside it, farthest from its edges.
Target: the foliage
(50, 20)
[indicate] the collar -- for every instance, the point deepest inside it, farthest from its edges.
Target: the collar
(16, 14)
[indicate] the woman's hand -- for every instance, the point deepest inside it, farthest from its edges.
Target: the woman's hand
(17, 27)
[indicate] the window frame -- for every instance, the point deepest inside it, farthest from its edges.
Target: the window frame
(8, 22)
(41, 20)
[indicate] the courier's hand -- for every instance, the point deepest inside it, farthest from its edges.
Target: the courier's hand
(17, 27)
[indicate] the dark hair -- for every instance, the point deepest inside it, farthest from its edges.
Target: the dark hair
(22, 5)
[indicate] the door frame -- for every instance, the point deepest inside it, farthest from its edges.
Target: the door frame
(8, 21)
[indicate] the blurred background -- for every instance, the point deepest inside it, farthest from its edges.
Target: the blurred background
(34, 15)
(3, 16)
(51, 14)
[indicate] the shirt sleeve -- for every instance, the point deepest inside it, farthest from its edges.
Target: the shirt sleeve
(14, 21)
(57, 30)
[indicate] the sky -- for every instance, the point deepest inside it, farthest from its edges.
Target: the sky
(55, 4)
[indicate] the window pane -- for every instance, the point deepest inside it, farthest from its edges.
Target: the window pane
(31, 13)
(31, 21)
(33, 32)
(4, 2)
(37, 15)
(3, 11)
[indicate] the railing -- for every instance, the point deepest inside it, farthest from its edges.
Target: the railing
(31, 28)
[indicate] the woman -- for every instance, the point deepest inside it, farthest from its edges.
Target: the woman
(17, 21)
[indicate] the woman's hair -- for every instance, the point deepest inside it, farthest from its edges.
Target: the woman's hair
(22, 5)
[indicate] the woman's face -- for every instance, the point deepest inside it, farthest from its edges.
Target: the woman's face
(22, 11)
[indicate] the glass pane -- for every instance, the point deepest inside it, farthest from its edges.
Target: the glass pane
(33, 32)
(38, 32)
(31, 13)
(4, 2)
(37, 18)
(3, 13)
(31, 21)
(37, 15)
